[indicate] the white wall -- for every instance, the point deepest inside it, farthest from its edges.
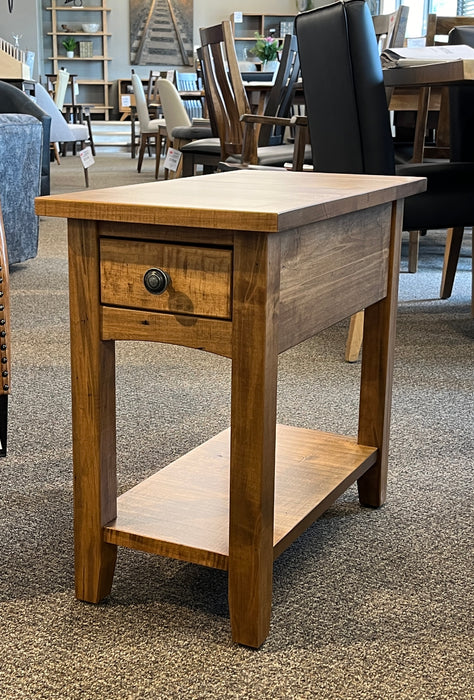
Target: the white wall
(25, 20)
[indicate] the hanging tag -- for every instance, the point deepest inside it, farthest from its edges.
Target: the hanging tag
(86, 157)
(172, 160)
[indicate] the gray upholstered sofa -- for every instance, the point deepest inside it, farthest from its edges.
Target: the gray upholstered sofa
(21, 142)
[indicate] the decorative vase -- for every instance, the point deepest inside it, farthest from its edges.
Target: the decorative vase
(270, 66)
(70, 54)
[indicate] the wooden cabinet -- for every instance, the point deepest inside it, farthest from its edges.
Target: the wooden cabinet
(90, 60)
(126, 98)
(245, 26)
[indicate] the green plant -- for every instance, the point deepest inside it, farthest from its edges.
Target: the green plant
(70, 44)
(266, 48)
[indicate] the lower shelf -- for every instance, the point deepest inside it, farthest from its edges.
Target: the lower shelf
(182, 510)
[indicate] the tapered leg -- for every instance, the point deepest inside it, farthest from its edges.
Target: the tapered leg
(413, 250)
(376, 373)
(254, 380)
(354, 337)
(93, 418)
(452, 251)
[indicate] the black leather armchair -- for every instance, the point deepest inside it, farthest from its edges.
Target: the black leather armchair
(14, 101)
(348, 117)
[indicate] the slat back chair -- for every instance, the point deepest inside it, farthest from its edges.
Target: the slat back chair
(281, 96)
(224, 87)
(235, 125)
(390, 29)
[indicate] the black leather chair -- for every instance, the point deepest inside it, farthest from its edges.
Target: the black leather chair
(461, 138)
(14, 101)
(348, 117)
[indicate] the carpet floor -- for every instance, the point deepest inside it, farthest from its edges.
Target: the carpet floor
(368, 604)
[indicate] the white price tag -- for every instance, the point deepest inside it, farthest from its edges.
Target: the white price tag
(126, 100)
(238, 17)
(172, 160)
(86, 157)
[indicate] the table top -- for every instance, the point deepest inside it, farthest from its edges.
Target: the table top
(247, 200)
(443, 73)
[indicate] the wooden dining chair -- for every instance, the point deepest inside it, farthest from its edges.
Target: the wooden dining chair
(150, 129)
(225, 91)
(390, 29)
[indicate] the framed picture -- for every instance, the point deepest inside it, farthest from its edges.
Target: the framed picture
(161, 33)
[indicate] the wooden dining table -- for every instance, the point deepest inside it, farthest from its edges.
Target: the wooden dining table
(426, 77)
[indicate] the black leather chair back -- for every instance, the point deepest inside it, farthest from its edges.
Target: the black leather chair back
(461, 106)
(347, 110)
(14, 101)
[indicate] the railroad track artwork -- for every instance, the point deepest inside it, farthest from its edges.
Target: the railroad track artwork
(161, 32)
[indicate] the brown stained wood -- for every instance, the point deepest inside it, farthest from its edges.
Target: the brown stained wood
(253, 421)
(406, 99)
(93, 417)
(198, 509)
(163, 234)
(249, 200)
(355, 337)
(377, 372)
(451, 258)
(182, 511)
(330, 270)
(201, 333)
(431, 74)
(200, 277)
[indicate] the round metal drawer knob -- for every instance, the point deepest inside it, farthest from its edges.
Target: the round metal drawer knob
(156, 281)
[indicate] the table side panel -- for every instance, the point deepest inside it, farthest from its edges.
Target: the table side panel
(330, 270)
(182, 511)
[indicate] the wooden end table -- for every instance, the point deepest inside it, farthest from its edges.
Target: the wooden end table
(245, 265)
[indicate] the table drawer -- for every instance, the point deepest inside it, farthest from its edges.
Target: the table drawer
(198, 279)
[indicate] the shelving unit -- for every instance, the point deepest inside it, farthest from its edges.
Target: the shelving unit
(265, 25)
(93, 71)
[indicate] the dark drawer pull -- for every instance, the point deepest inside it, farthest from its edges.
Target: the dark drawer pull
(156, 281)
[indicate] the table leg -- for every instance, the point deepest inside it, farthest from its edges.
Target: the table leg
(376, 373)
(253, 416)
(93, 418)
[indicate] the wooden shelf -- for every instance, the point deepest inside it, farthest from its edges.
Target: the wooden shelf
(264, 24)
(96, 66)
(182, 510)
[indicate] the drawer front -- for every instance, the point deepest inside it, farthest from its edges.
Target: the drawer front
(199, 279)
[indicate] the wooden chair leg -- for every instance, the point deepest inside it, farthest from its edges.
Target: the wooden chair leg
(451, 257)
(355, 337)
(3, 424)
(87, 120)
(56, 153)
(141, 153)
(413, 246)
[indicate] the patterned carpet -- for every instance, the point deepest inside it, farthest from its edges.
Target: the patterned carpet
(372, 604)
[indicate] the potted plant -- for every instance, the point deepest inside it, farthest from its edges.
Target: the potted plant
(70, 45)
(266, 49)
